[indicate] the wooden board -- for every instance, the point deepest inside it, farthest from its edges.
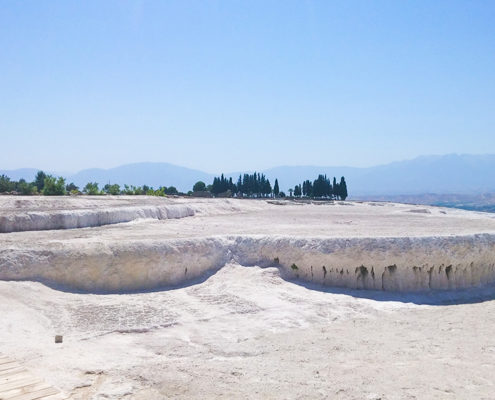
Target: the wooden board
(17, 383)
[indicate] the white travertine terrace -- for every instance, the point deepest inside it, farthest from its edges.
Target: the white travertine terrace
(41, 213)
(142, 243)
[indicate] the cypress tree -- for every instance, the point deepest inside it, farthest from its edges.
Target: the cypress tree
(39, 181)
(276, 189)
(343, 188)
(239, 185)
(297, 190)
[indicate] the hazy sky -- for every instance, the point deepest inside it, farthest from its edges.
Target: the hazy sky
(231, 85)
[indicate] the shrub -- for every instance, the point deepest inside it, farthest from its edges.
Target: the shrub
(54, 186)
(171, 190)
(5, 184)
(39, 181)
(71, 187)
(199, 187)
(25, 188)
(91, 188)
(112, 189)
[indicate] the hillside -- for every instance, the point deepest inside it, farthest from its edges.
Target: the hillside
(460, 174)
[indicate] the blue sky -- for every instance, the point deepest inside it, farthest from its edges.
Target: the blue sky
(235, 85)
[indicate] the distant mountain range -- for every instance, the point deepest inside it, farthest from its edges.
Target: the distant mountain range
(460, 174)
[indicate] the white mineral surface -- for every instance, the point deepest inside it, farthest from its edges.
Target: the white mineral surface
(168, 242)
(204, 298)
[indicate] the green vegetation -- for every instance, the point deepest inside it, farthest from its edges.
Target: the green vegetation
(54, 186)
(112, 189)
(26, 188)
(258, 186)
(72, 188)
(322, 188)
(297, 191)
(91, 188)
(5, 184)
(254, 185)
(276, 189)
(39, 180)
(22, 187)
(199, 187)
(223, 186)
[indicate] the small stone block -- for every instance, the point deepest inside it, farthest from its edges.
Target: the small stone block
(59, 338)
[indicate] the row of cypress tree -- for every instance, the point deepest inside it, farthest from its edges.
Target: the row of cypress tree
(257, 185)
(321, 187)
(251, 185)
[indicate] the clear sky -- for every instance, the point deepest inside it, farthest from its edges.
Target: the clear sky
(233, 85)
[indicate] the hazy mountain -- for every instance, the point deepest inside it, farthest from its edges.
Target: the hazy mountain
(429, 174)
(461, 174)
(151, 174)
(23, 173)
(475, 202)
(426, 174)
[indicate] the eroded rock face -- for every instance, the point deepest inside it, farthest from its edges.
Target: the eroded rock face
(72, 219)
(165, 248)
(397, 264)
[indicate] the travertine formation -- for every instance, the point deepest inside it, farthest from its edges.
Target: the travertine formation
(240, 318)
(169, 242)
(36, 214)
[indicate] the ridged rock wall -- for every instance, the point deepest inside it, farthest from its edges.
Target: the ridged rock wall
(70, 219)
(396, 264)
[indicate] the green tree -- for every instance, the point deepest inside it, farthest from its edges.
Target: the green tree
(335, 188)
(112, 189)
(39, 180)
(5, 184)
(276, 189)
(129, 190)
(91, 188)
(25, 188)
(307, 188)
(72, 188)
(54, 186)
(297, 190)
(171, 190)
(138, 190)
(199, 186)
(343, 188)
(160, 192)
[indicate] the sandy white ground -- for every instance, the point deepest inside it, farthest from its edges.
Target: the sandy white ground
(238, 331)
(247, 333)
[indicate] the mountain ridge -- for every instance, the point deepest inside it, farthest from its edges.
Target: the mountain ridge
(451, 173)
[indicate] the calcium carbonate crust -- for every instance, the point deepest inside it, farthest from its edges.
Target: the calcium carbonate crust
(388, 263)
(72, 219)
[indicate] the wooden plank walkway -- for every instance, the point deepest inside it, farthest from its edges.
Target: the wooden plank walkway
(17, 383)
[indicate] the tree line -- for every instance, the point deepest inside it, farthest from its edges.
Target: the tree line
(248, 185)
(258, 186)
(255, 185)
(322, 188)
(49, 185)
